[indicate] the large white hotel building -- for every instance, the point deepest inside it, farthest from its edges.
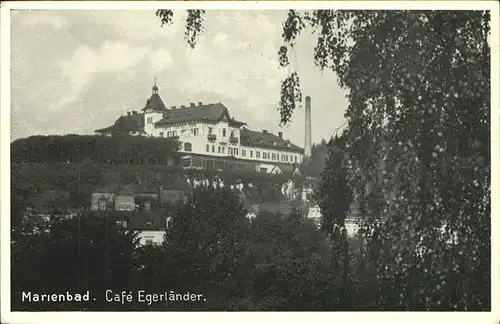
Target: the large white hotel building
(210, 138)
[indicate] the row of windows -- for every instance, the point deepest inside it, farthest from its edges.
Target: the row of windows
(124, 224)
(194, 131)
(103, 206)
(210, 164)
(169, 134)
(265, 156)
(224, 133)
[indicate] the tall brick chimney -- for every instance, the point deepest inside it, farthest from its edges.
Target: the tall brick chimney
(307, 137)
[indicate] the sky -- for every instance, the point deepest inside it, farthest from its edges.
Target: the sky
(75, 71)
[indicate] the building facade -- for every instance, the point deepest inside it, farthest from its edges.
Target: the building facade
(209, 136)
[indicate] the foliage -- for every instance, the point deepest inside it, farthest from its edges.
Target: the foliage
(416, 148)
(84, 253)
(294, 266)
(204, 243)
(315, 165)
(98, 149)
(274, 262)
(194, 23)
(419, 113)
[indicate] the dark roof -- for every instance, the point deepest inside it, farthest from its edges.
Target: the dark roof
(267, 140)
(154, 102)
(211, 112)
(139, 221)
(287, 168)
(125, 124)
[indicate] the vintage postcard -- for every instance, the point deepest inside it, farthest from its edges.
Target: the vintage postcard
(295, 161)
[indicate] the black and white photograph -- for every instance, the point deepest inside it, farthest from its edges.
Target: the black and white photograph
(288, 157)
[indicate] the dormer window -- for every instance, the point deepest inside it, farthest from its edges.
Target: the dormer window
(147, 205)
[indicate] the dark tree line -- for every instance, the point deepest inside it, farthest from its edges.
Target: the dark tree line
(416, 150)
(99, 149)
(270, 263)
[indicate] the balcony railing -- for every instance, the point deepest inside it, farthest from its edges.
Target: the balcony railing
(233, 140)
(211, 137)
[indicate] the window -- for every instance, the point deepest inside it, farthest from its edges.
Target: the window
(149, 224)
(264, 155)
(274, 156)
(230, 150)
(161, 134)
(121, 224)
(243, 153)
(195, 131)
(232, 134)
(168, 221)
(102, 205)
(251, 153)
(150, 120)
(188, 147)
(286, 158)
(210, 130)
(235, 151)
(257, 155)
(223, 148)
(147, 205)
(295, 158)
(174, 133)
(129, 207)
(213, 148)
(169, 133)
(218, 149)
(263, 170)
(208, 148)
(223, 132)
(148, 239)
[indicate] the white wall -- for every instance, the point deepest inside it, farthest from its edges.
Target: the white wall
(155, 235)
(96, 196)
(150, 128)
(351, 226)
(200, 141)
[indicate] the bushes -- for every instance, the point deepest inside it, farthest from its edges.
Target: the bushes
(272, 263)
(99, 149)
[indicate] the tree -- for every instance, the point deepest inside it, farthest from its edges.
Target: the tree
(293, 265)
(206, 246)
(416, 145)
(84, 253)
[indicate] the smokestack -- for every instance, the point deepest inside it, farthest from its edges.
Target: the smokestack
(307, 139)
